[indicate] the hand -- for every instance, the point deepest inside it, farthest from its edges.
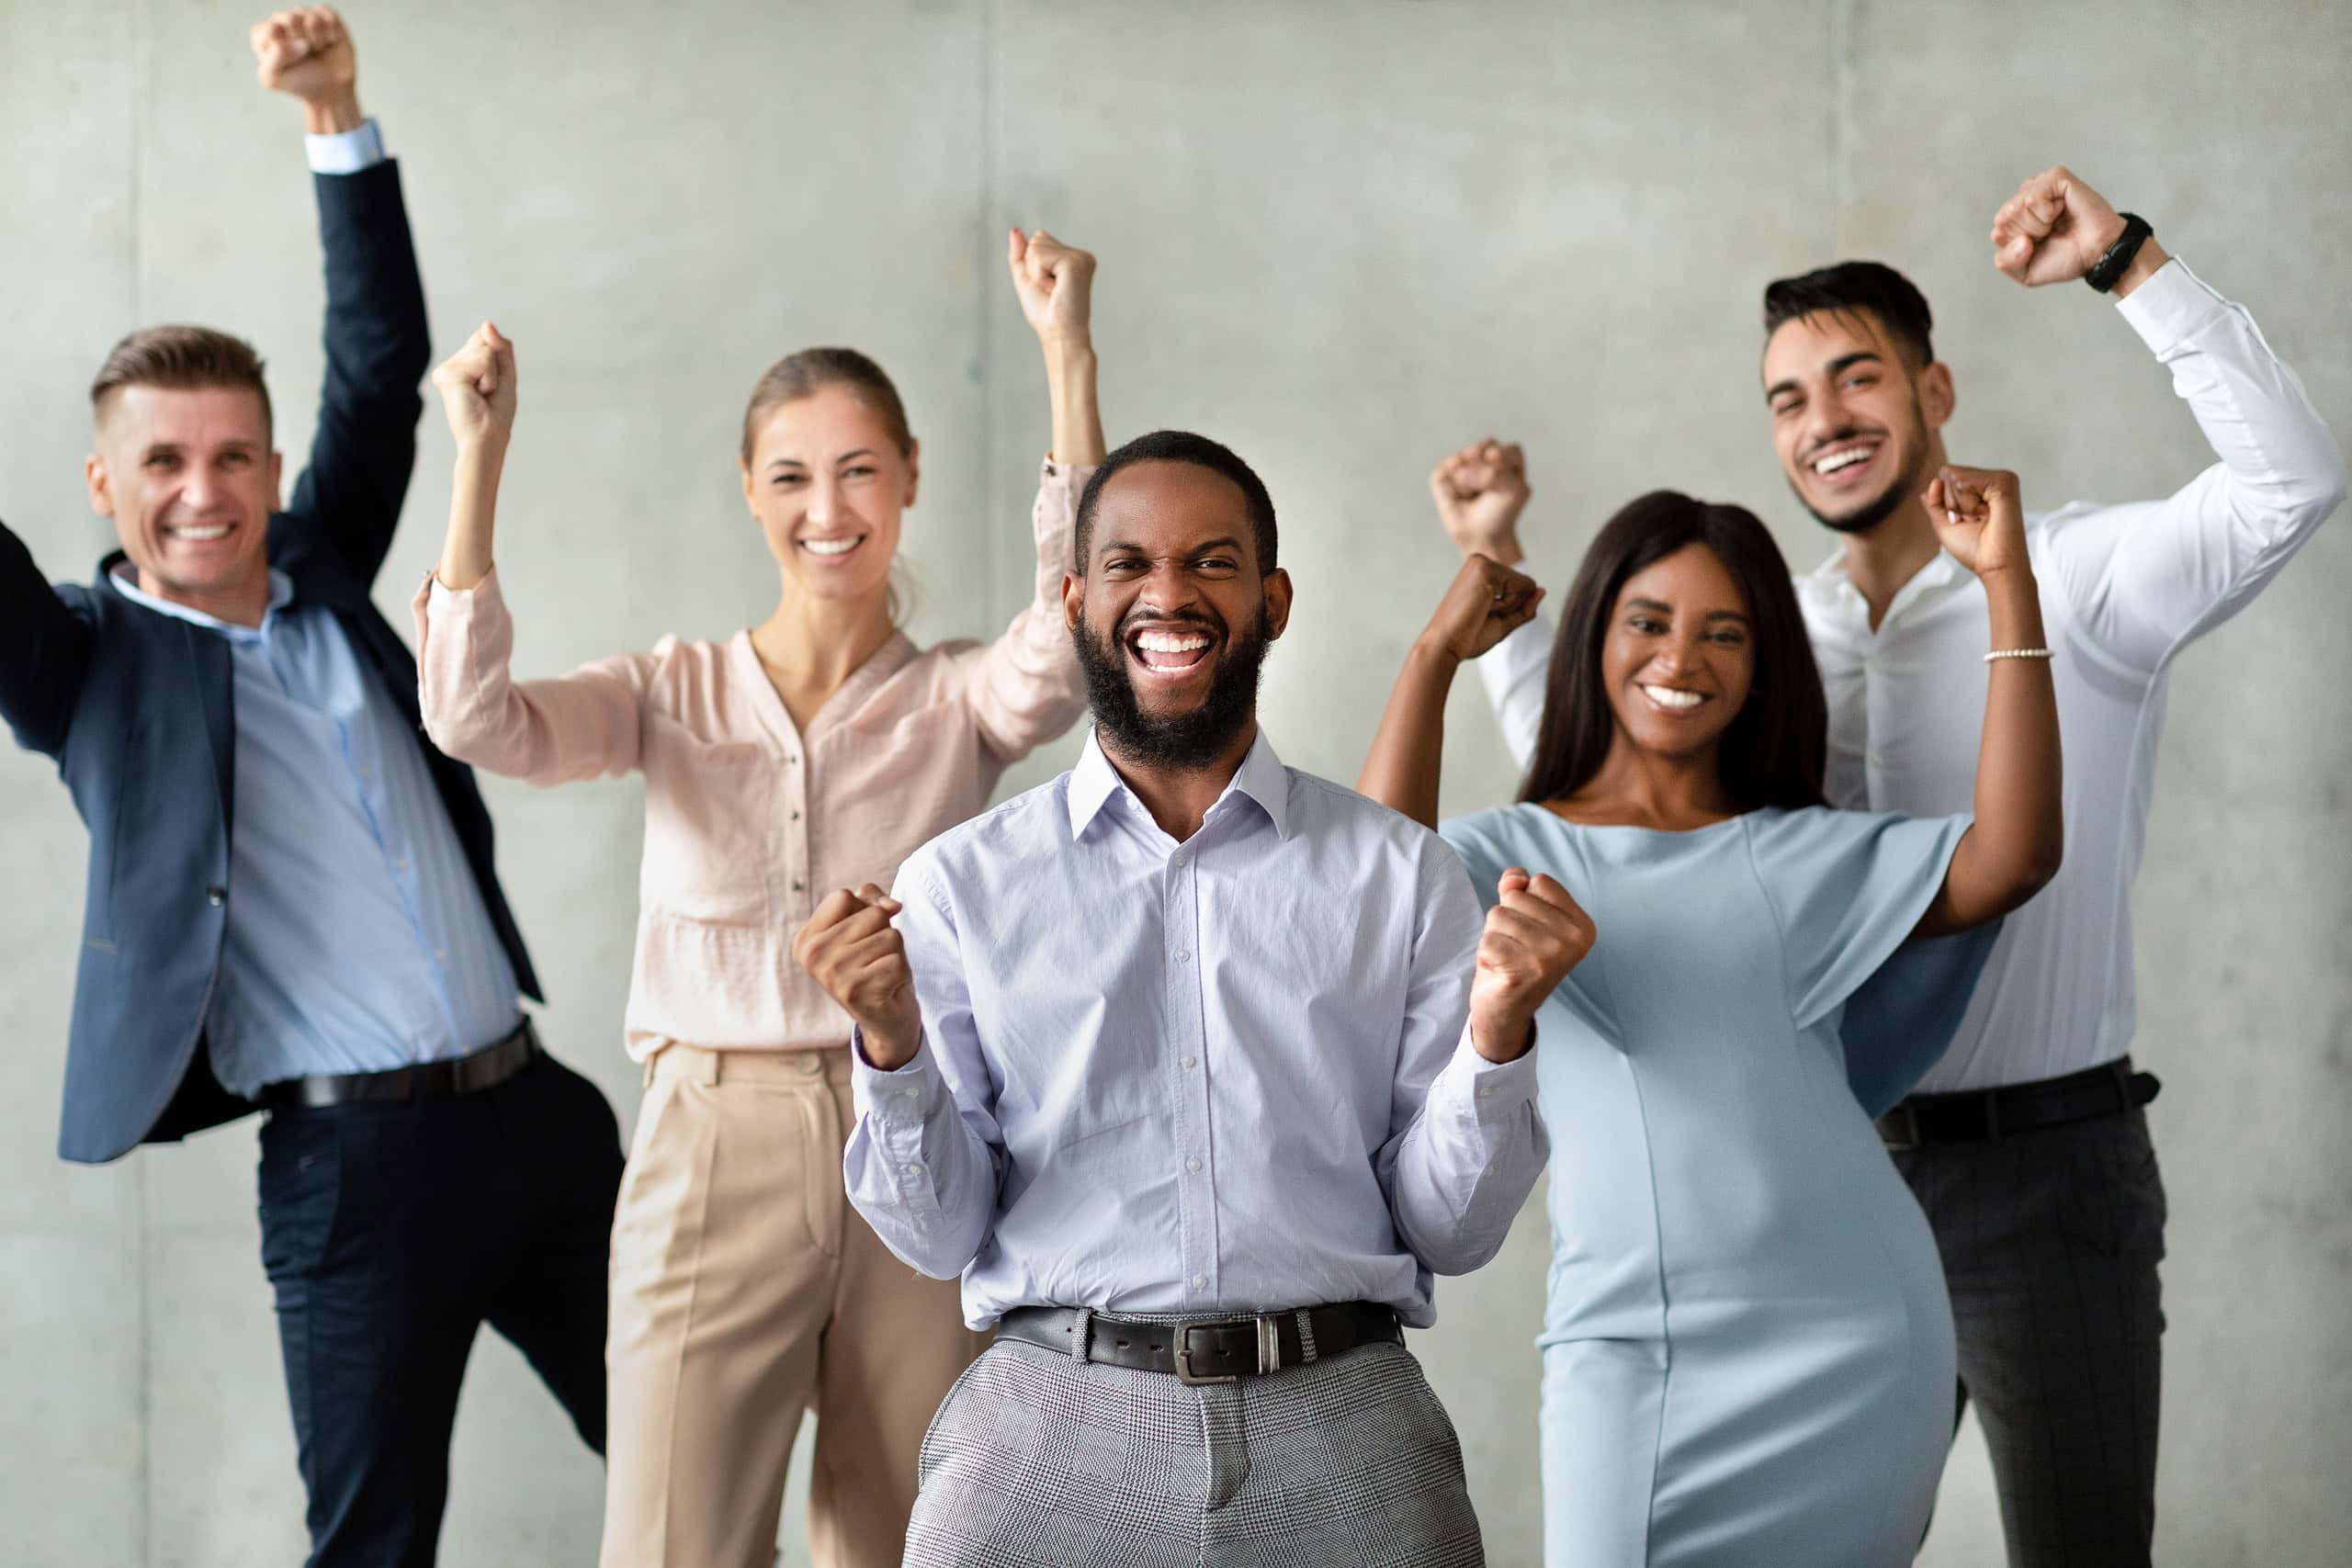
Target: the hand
(849, 947)
(307, 55)
(1056, 285)
(1533, 937)
(1978, 518)
(2053, 231)
(477, 386)
(1480, 491)
(1486, 604)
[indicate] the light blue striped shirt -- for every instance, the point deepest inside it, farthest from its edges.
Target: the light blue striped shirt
(357, 940)
(1232, 1074)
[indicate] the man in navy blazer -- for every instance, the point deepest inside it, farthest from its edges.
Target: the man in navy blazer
(291, 901)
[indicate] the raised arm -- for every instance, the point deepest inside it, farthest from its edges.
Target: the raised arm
(44, 651)
(1025, 687)
(2145, 578)
(924, 1162)
(1486, 603)
(2013, 847)
(378, 345)
(575, 726)
(1480, 493)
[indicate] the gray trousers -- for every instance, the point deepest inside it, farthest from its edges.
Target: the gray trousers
(2050, 1241)
(1037, 1460)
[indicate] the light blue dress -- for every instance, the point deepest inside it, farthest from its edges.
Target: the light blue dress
(1747, 1348)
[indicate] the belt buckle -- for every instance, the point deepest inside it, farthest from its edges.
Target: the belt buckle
(1184, 1332)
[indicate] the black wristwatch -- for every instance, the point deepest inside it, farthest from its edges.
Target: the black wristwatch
(2112, 266)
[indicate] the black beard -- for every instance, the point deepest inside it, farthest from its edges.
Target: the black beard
(1906, 486)
(1191, 739)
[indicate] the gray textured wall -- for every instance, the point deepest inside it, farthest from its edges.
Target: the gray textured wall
(1344, 239)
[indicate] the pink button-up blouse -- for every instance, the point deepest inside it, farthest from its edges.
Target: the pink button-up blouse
(749, 820)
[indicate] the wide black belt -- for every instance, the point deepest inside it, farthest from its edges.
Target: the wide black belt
(1206, 1350)
(469, 1074)
(1983, 1115)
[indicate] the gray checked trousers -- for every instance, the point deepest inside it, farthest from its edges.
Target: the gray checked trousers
(1037, 1460)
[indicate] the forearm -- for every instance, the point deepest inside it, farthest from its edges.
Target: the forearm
(473, 511)
(916, 1169)
(1407, 752)
(2018, 835)
(44, 651)
(1461, 1171)
(1077, 416)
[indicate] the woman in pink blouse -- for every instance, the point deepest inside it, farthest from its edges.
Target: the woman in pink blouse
(812, 752)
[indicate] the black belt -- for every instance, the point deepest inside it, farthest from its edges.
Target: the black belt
(485, 1069)
(1206, 1350)
(1985, 1115)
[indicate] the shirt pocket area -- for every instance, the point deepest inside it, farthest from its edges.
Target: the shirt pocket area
(710, 811)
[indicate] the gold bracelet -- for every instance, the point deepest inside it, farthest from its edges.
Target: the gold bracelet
(2017, 653)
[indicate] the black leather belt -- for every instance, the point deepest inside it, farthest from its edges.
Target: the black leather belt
(470, 1073)
(1983, 1115)
(1207, 1349)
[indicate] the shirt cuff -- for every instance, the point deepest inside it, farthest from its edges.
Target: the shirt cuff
(1494, 1088)
(346, 152)
(901, 1098)
(2173, 303)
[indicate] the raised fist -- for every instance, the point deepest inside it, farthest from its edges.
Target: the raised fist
(1486, 604)
(1978, 516)
(1056, 285)
(1480, 491)
(477, 386)
(2053, 231)
(1534, 935)
(849, 947)
(307, 54)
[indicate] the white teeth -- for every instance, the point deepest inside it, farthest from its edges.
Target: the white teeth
(1845, 459)
(1668, 697)
(1170, 642)
(831, 546)
(218, 531)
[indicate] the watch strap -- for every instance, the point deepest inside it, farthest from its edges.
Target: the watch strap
(2109, 268)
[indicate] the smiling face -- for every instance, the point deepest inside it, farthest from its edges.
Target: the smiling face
(827, 481)
(1677, 656)
(189, 477)
(1855, 422)
(1172, 616)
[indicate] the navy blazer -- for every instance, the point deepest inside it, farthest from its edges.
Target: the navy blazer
(138, 708)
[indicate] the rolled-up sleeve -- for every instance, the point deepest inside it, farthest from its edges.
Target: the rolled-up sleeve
(1471, 1142)
(923, 1160)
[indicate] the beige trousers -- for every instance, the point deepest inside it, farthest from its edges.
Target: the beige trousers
(744, 1288)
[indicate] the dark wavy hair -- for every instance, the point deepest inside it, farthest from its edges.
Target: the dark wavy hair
(1179, 446)
(1774, 751)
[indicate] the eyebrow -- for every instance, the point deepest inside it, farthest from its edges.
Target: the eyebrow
(1836, 366)
(1225, 543)
(775, 463)
(1665, 608)
(164, 448)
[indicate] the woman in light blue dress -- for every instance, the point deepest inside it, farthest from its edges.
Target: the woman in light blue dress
(1747, 1348)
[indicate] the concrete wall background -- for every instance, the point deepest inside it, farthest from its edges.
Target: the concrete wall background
(1344, 240)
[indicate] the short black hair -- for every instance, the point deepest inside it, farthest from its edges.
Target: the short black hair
(1853, 285)
(1182, 447)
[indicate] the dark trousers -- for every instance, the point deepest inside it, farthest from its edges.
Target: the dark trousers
(2050, 1241)
(391, 1232)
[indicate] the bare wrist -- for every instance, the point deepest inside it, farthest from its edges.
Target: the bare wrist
(2144, 263)
(1505, 1040)
(333, 116)
(885, 1055)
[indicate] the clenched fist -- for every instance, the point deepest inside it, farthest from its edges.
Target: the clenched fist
(1487, 602)
(2054, 230)
(849, 947)
(306, 54)
(1055, 284)
(1480, 491)
(1979, 518)
(1534, 935)
(477, 388)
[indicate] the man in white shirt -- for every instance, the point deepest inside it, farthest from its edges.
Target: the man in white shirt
(2026, 1144)
(1197, 1069)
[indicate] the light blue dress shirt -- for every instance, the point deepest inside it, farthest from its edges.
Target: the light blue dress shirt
(357, 940)
(1232, 1074)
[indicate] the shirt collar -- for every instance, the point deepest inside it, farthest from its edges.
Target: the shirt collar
(126, 581)
(1261, 777)
(1828, 581)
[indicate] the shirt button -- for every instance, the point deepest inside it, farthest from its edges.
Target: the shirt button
(1183, 956)
(216, 896)
(797, 885)
(812, 1064)
(1189, 1061)
(908, 1093)
(1193, 1165)
(910, 1171)
(796, 816)
(792, 759)
(1200, 1282)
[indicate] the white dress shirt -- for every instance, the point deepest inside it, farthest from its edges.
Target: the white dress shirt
(2124, 588)
(1232, 1074)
